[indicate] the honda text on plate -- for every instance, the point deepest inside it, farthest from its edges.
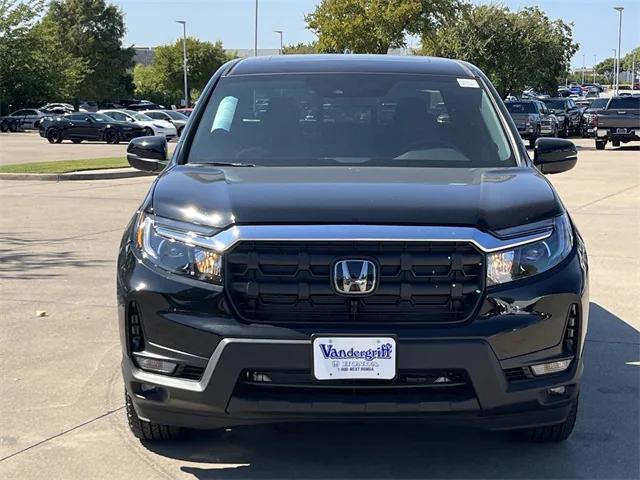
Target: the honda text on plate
(349, 237)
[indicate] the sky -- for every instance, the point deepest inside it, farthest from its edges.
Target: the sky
(152, 22)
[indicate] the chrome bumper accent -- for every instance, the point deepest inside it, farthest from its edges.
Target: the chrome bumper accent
(201, 385)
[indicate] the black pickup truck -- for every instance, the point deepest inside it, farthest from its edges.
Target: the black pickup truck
(618, 122)
(398, 255)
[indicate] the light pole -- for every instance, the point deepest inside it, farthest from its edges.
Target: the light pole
(280, 33)
(255, 33)
(184, 60)
(613, 74)
(594, 68)
(619, 9)
(583, 67)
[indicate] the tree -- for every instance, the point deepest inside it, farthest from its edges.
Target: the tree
(34, 68)
(300, 48)
(606, 67)
(164, 80)
(92, 30)
(627, 61)
(374, 26)
(515, 49)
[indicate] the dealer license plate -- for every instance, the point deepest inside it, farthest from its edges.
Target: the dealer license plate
(621, 130)
(359, 358)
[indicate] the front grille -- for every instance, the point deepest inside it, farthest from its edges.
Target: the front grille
(517, 374)
(135, 337)
(303, 379)
(290, 282)
(190, 372)
(571, 332)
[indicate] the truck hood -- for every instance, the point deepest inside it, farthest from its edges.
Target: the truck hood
(490, 199)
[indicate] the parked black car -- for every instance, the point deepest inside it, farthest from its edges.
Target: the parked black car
(87, 126)
(568, 114)
(415, 265)
(533, 120)
(618, 122)
(588, 123)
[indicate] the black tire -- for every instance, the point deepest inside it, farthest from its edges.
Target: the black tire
(615, 143)
(148, 132)
(149, 431)
(565, 131)
(532, 141)
(600, 144)
(550, 433)
(4, 127)
(111, 136)
(13, 127)
(180, 130)
(53, 135)
(76, 140)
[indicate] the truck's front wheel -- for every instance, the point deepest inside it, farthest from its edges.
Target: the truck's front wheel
(550, 433)
(600, 144)
(149, 431)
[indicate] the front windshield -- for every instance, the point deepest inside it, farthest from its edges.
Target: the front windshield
(555, 104)
(176, 115)
(599, 103)
(100, 117)
(351, 119)
(141, 117)
(525, 107)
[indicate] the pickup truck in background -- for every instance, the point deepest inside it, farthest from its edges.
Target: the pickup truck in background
(619, 122)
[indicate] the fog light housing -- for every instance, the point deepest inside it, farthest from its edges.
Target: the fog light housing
(551, 367)
(557, 390)
(156, 365)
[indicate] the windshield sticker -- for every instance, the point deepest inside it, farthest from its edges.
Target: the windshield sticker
(225, 113)
(468, 83)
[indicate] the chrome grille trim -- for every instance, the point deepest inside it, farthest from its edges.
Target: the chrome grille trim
(226, 239)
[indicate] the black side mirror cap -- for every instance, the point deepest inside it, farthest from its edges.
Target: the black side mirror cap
(149, 154)
(554, 155)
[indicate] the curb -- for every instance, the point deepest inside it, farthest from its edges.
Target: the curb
(86, 175)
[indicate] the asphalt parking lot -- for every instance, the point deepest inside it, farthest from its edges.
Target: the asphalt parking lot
(61, 397)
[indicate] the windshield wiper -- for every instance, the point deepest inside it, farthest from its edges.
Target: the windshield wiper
(229, 164)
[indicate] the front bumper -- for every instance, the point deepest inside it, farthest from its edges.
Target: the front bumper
(516, 326)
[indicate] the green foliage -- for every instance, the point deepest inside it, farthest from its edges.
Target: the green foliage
(163, 80)
(93, 30)
(606, 67)
(627, 61)
(374, 26)
(35, 67)
(300, 48)
(515, 49)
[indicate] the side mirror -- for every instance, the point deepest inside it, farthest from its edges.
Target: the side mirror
(554, 155)
(148, 153)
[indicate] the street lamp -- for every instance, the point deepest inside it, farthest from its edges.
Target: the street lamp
(184, 60)
(594, 68)
(280, 33)
(255, 33)
(583, 67)
(619, 9)
(613, 74)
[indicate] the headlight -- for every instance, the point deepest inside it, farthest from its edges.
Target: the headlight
(532, 258)
(177, 256)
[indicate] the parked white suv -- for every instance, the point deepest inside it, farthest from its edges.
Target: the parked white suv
(176, 118)
(151, 126)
